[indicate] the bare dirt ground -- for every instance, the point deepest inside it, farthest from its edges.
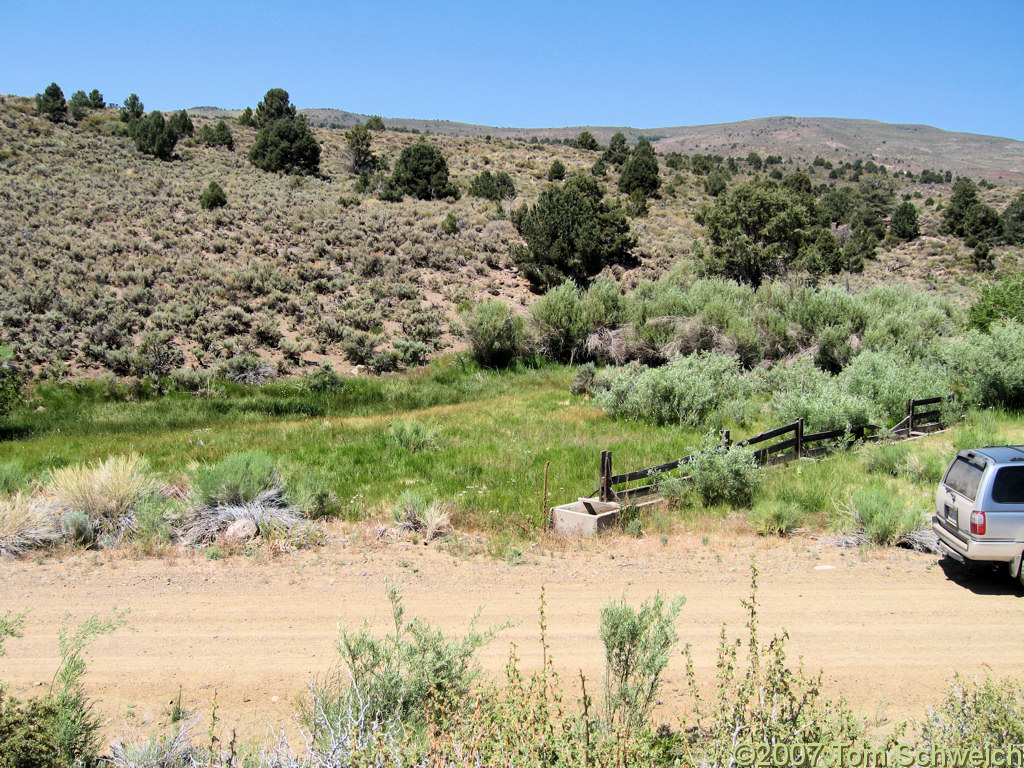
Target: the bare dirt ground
(886, 627)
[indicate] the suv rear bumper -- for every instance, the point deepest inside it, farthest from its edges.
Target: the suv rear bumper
(972, 549)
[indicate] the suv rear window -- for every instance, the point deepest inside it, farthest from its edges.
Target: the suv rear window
(964, 477)
(1008, 487)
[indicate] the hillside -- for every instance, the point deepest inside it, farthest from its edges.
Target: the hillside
(107, 253)
(900, 147)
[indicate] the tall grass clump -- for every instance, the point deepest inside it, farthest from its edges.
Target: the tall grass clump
(238, 478)
(412, 435)
(412, 512)
(155, 516)
(106, 491)
(243, 486)
(880, 516)
(980, 428)
(24, 524)
(14, 477)
(776, 518)
(886, 458)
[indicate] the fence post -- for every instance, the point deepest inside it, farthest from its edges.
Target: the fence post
(799, 437)
(605, 481)
(910, 417)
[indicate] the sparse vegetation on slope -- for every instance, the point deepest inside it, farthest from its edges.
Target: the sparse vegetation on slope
(305, 269)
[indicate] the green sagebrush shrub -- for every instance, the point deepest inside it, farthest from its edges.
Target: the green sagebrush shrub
(637, 644)
(495, 335)
(725, 475)
(414, 674)
(684, 391)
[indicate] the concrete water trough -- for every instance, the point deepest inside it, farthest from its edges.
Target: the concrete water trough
(584, 517)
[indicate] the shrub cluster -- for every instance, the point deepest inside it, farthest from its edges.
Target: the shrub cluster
(121, 500)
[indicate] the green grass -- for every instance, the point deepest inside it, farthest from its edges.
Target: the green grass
(494, 434)
(496, 431)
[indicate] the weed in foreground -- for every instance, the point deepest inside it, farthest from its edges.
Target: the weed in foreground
(59, 729)
(975, 714)
(762, 701)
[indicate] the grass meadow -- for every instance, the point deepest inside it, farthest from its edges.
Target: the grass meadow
(477, 440)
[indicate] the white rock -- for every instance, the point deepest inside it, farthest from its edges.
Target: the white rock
(240, 530)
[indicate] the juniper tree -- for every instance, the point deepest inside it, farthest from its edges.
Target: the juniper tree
(422, 172)
(51, 103)
(571, 232)
(640, 171)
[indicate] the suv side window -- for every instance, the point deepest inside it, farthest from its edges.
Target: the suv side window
(1008, 487)
(964, 477)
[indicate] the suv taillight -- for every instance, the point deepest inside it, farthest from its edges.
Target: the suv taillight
(978, 523)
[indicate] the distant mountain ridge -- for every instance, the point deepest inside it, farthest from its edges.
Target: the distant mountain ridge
(910, 147)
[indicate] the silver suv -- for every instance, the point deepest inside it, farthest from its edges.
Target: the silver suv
(979, 507)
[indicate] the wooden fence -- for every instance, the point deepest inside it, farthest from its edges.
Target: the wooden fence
(790, 442)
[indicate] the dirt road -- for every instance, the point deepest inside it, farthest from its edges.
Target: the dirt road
(887, 628)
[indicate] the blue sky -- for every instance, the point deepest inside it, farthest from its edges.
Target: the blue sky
(956, 66)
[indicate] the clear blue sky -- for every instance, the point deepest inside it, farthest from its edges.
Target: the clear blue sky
(954, 65)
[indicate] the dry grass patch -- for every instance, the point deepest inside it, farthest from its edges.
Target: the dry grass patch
(25, 523)
(105, 491)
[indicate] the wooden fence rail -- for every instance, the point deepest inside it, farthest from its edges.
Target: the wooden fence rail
(795, 445)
